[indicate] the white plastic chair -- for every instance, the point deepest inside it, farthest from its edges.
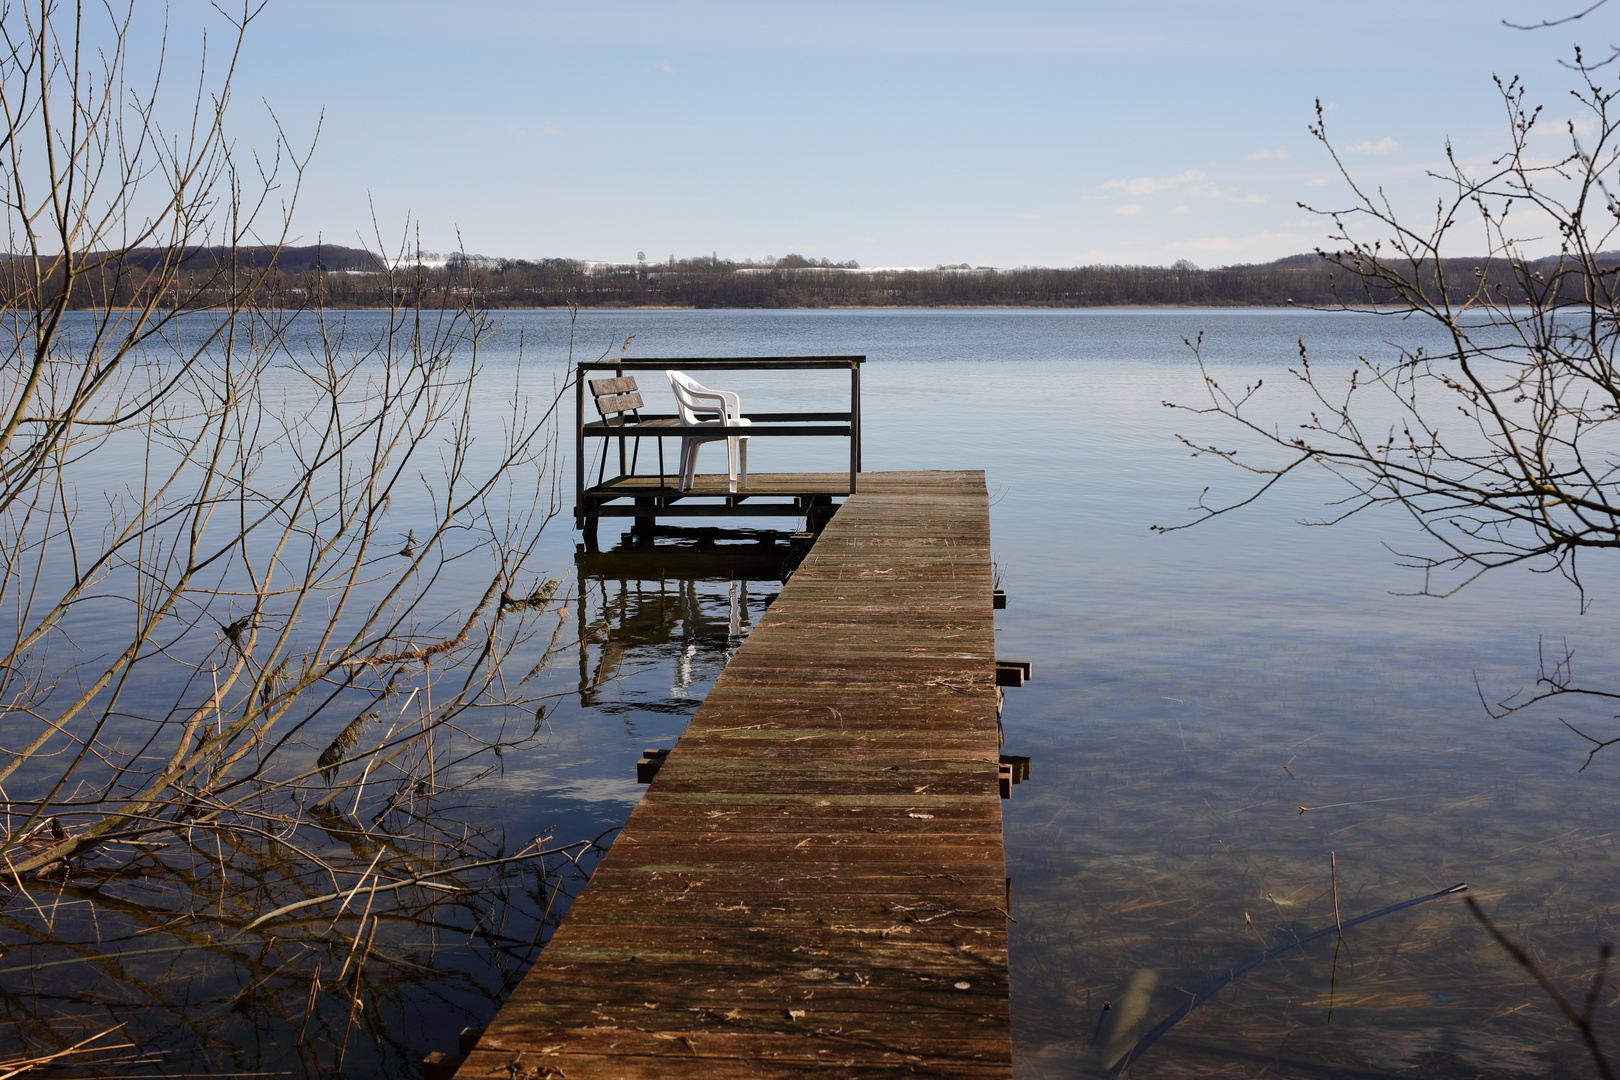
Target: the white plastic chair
(701, 407)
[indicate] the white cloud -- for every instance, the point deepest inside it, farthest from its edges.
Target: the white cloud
(544, 129)
(1193, 182)
(1128, 210)
(1206, 243)
(1147, 185)
(1182, 209)
(1216, 193)
(666, 67)
(1027, 217)
(1317, 181)
(602, 789)
(1239, 243)
(1386, 145)
(1278, 154)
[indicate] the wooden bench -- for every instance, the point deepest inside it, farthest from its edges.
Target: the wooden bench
(618, 401)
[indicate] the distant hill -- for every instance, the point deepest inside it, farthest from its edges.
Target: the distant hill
(350, 277)
(290, 259)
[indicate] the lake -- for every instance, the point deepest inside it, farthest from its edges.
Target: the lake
(1232, 727)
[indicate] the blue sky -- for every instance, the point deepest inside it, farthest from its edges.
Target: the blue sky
(895, 133)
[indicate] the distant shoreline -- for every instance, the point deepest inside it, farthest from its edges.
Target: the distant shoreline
(1324, 308)
(342, 279)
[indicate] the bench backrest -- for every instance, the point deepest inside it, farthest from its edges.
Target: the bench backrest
(615, 397)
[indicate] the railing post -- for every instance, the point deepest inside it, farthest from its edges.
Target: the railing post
(579, 448)
(854, 422)
(624, 470)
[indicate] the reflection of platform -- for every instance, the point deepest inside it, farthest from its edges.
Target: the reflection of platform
(706, 555)
(643, 600)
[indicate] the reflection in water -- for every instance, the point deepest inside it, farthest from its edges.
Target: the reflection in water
(686, 602)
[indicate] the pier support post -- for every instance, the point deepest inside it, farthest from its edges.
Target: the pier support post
(819, 511)
(645, 524)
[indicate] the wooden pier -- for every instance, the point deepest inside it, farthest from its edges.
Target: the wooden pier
(813, 883)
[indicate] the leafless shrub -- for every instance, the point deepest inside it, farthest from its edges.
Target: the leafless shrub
(1504, 444)
(257, 565)
(1501, 445)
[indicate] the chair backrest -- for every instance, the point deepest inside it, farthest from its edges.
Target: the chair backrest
(692, 410)
(615, 397)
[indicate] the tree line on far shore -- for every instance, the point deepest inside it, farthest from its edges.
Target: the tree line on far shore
(350, 278)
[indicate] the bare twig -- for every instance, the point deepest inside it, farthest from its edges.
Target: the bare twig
(1582, 1019)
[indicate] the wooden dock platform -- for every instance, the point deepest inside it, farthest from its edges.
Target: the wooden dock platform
(668, 500)
(814, 881)
(624, 420)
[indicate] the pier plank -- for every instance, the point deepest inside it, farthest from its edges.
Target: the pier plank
(814, 881)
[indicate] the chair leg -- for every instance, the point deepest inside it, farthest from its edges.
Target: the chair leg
(689, 449)
(742, 455)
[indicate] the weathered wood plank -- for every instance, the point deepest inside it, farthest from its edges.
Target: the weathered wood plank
(606, 404)
(814, 882)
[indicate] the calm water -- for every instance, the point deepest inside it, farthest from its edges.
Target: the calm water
(1192, 692)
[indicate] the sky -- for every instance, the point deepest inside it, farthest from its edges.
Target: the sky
(892, 132)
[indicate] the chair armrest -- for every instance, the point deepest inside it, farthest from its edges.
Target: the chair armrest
(727, 410)
(731, 403)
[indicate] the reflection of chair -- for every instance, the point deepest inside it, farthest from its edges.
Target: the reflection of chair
(701, 407)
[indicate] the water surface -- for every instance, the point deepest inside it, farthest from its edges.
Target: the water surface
(1216, 713)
